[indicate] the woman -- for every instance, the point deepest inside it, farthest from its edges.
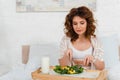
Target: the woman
(80, 46)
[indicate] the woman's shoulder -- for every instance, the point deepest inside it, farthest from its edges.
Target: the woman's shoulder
(95, 38)
(96, 41)
(65, 37)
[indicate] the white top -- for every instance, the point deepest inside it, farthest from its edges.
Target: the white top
(77, 54)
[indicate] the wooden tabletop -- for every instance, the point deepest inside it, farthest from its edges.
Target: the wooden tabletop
(36, 75)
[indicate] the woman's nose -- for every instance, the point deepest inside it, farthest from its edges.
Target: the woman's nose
(78, 26)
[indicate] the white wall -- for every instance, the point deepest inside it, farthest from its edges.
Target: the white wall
(17, 29)
(108, 14)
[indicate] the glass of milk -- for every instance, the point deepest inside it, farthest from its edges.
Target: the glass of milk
(45, 64)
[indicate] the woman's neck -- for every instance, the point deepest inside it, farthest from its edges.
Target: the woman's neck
(82, 38)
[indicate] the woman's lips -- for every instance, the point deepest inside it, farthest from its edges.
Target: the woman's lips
(78, 30)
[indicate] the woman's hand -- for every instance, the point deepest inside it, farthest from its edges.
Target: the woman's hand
(97, 63)
(67, 58)
(68, 53)
(88, 60)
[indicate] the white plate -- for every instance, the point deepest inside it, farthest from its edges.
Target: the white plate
(85, 74)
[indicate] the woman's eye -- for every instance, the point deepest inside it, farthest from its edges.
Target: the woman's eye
(74, 23)
(82, 23)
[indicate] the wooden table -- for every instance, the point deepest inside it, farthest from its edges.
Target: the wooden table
(37, 76)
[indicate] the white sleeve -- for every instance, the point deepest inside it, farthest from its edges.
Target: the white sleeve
(98, 50)
(63, 46)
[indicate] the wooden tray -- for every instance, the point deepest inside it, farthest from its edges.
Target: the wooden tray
(37, 75)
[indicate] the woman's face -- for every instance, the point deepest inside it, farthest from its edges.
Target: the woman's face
(79, 25)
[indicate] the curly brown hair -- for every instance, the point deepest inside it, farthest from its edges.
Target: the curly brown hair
(84, 13)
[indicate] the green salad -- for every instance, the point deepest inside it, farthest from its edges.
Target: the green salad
(68, 69)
